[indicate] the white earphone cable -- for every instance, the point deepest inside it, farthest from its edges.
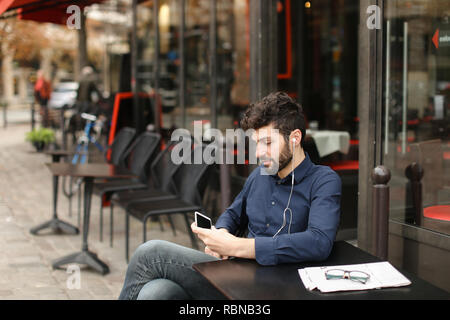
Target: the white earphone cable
(290, 195)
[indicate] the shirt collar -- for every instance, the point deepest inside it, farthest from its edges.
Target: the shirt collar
(299, 172)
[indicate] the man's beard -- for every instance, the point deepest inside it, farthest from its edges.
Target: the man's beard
(284, 158)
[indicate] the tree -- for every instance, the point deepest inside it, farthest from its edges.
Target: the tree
(21, 41)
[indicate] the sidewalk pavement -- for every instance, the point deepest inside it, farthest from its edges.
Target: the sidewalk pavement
(26, 201)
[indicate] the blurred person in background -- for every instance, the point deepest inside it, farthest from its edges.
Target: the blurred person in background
(42, 90)
(87, 101)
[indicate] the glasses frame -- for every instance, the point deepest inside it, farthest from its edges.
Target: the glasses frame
(346, 275)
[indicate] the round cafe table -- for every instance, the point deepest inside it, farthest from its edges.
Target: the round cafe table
(55, 224)
(88, 172)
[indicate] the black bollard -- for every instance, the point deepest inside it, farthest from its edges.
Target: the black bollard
(380, 205)
(414, 172)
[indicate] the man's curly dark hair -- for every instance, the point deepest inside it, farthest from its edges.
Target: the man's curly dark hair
(278, 109)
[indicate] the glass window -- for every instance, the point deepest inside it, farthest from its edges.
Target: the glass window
(417, 112)
(197, 62)
(145, 47)
(169, 62)
(233, 88)
(317, 65)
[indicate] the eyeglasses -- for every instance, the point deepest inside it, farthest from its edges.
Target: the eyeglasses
(336, 274)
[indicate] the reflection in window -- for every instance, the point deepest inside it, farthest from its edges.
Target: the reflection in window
(417, 110)
(232, 61)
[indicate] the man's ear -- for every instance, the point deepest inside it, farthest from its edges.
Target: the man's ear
(297, 135)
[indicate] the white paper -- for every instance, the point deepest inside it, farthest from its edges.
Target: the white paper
(382, 275)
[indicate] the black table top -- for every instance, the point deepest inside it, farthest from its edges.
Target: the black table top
(92, 170)
(243, 279)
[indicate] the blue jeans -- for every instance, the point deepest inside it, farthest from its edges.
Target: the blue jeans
(163, 270)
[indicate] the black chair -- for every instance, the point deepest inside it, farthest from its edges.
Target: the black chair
(137, 156)
(160, 186)
(119, 145)
(190, 181)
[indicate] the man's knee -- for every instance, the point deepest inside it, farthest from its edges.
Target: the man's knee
(162, 289)
(151, 248)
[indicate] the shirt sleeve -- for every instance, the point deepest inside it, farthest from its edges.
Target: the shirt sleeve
(231, 218)
(316, 242)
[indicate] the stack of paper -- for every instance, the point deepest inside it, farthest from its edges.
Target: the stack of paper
(382, 275)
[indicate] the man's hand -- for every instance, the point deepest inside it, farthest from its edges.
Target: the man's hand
(220, 243)
(214, 254)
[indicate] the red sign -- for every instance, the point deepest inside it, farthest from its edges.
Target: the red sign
(435, 39)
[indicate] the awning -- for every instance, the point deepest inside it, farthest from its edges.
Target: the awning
(53, 11)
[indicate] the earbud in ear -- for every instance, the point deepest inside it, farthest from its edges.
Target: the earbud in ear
(294, 140)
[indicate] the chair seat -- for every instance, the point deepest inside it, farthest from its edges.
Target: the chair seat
(143, 210)
(441, 212)
(125, 198)
(118, 185)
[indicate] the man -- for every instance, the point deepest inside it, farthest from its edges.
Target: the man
(86, 101)
(88, 94)
(293, 213)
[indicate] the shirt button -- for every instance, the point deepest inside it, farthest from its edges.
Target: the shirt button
(267, 225)
(273, 203)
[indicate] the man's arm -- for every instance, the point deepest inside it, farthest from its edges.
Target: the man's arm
(231, 218)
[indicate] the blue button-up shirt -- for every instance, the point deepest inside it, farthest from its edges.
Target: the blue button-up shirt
(315, 205)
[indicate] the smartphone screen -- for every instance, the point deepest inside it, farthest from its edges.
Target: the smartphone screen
(202, 221)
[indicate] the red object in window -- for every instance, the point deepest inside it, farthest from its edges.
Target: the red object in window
(344, 165)
(435, 39)
(288, 73)
(126, 95)
(446, 155)
(399, 149)
(105, 201)
(437, 212)
(413, 122)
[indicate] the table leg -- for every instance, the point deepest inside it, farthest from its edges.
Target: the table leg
(85, 256)
(57, 226)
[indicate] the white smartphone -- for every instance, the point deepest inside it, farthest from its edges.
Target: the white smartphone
(202, 221)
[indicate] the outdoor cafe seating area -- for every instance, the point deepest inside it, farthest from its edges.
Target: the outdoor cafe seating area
(134, 182)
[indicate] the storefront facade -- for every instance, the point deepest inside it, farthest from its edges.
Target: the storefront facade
(377, 70)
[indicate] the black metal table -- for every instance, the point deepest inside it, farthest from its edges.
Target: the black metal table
(55, 224)
(242, 279)
(88, 172)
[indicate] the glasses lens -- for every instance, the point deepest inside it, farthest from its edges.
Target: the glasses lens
(335, 274)
(359, 276)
